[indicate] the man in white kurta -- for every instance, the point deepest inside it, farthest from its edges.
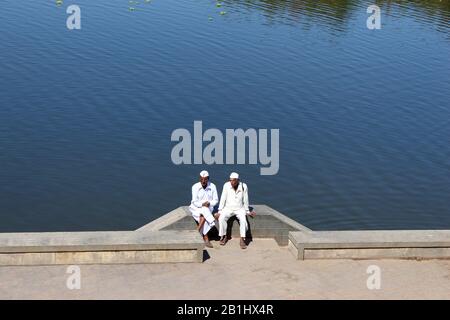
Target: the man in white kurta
(204, 199)
(234, 202)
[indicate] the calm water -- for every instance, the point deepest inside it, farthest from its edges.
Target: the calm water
(86, 116)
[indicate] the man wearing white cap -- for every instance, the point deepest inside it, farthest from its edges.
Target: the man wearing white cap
(234, 202)
(204, 198)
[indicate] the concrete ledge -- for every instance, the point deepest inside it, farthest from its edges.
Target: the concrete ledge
(173, 238)
(268, 223)
(165, 220)
(398, 244)
(100, 247)
(99, 257)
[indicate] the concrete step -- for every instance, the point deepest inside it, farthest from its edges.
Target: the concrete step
(385, 244)
(102, 247)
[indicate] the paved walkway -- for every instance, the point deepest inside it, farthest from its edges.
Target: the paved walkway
(263, 271)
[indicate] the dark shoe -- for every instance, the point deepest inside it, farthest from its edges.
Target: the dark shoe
(208, 244)
(242, 244)
(223, 241)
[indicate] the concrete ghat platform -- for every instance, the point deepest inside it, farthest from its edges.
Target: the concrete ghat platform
(140, 264)
(173, 238)
(111, 247)
(398, 244)
(268, 223)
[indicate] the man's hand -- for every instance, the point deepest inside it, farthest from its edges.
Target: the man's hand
(252, 214)
(205, 204)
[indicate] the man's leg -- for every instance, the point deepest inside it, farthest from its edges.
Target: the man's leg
(201, 222)
(242, 217)
(196, 213)
(209, 220)
(223, 225)
(199, 215)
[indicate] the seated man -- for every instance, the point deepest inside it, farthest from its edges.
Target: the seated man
(204, 198)
(234, 202)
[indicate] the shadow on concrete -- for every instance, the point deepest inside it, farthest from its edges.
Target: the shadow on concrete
(206, 255)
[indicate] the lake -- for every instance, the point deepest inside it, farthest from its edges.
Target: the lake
(86, 115)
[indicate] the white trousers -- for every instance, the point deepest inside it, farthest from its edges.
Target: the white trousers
(207, 214)
(227, 214)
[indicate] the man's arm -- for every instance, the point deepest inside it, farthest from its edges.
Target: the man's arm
(223, 198)
(194, 200)
(246, 205)
(215, 197)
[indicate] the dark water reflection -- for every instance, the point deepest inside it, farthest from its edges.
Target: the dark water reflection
(336, 13)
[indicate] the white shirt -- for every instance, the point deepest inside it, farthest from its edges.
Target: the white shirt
(234, 199)
(200, 195)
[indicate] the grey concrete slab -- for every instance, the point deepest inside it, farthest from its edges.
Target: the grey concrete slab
(263, 210)
(98, 241)
(165, 220)
(377, 253)
(372, 238)
(100, 257)
(374, 244)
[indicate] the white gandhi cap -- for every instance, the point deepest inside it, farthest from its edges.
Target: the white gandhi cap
(204, 174)
(234, 175)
